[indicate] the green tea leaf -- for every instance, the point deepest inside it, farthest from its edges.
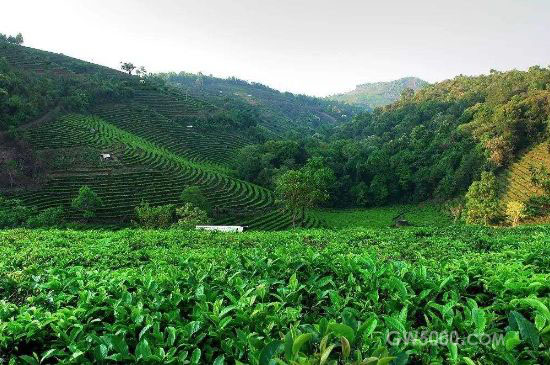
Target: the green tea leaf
(29, 359)
(142, 349)
(220, 360)
(367, 328)
(538, 305)
(511, 340)
(269, 351)
(171, 336)
(346, 347)
(385, 360)
(196, 356)
(300, 341)
(453, 351)
(527, 330)
(478, 316)
(47, 355)
(342, 330)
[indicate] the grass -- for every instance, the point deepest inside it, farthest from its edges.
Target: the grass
(417, 215)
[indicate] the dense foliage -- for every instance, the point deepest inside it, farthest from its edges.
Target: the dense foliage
(23, 96)
(13, 213)
(482, 205)
(305, 188)
(539, 205)
(428, 145)
(432, 144)
(27, 93)
(194, 195)
(87, 202)
(175, 296)
(164, 216)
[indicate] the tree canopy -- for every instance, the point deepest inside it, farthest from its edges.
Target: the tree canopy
(300, 189)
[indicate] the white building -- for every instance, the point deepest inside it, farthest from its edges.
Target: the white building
(221, 228)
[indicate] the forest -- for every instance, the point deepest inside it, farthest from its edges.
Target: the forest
(428, 146)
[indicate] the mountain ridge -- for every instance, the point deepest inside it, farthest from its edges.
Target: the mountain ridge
(375, 94)
(278, 110)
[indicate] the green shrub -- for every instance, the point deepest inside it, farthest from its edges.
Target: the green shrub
(190, 297)
(162, 216)
(87, 202)
(538, 206)
(189, 216)
(50, 217)
(482, 200)
(515, 212)
(193, 195)
(13, 213)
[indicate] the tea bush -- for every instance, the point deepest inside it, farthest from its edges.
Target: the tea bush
(295, 297)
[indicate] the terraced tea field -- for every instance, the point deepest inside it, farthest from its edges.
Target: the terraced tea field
(156, 140)
(190, 141)
(516, 182)
(44, 62)
(143, 170)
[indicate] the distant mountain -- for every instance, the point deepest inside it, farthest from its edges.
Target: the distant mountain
(279, 112)
(375, 94)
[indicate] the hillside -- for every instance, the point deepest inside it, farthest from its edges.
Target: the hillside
(59, 115)
(517, 178)
(64, 114)
(281, 113)
(516, 182)
(376, 94)
(432, 145)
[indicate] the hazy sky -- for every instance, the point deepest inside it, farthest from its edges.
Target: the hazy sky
(316, 47)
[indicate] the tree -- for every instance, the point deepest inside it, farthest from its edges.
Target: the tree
(162, 216)
(515, 212)
(49, 217)
(304, 188)
(13, 213)
(87, 202)
(500, 150)
(455, 209)
(12, 167)
(539, 205)
(19, 39)
(193, 195)
(407, 93)
(141, 71)
(482, 200)
(190, 216)
(128, 67)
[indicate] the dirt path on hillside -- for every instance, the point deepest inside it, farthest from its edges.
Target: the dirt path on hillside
(48, 117)
(332, 119)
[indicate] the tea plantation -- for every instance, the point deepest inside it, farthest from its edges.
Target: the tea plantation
(419, 295)
(159, 141)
